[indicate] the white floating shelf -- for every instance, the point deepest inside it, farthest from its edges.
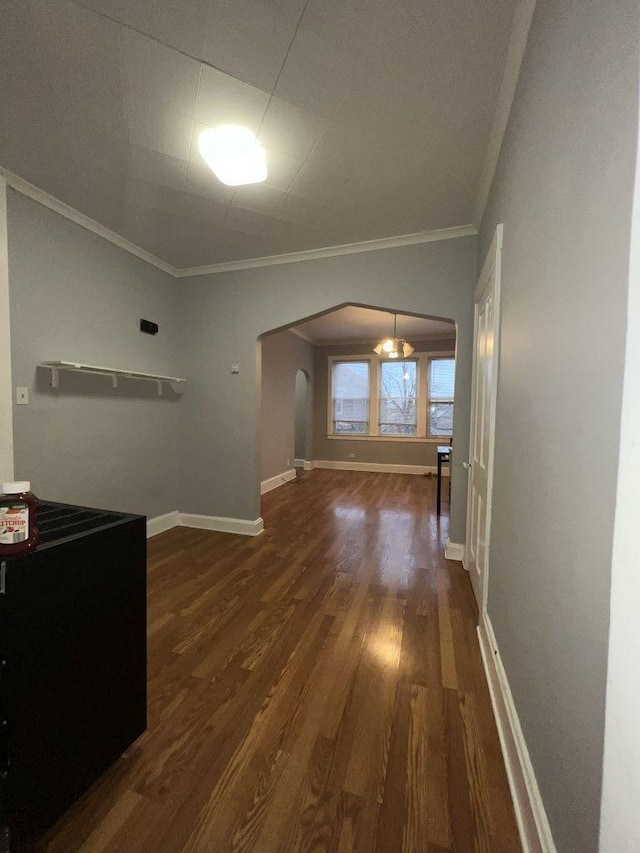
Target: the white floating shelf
(115, 373)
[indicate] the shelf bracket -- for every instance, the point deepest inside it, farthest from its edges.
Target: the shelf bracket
(54, 381)
(159, 384)
(114, 380)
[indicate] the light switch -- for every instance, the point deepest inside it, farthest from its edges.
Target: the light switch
(22, 396)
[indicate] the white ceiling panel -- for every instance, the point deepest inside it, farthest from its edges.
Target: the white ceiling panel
(302, 211)
(249, 39)
(156, 168)
(290, 129)
(316, 76)
(156, 77)
(225, 100)
(202, 182)
(375, 117)
(183, 24)
(282, 169)
(258, 198)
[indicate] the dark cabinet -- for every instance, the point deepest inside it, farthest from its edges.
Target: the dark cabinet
(72, 663)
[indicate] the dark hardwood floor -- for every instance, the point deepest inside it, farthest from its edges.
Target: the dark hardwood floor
(316, 688)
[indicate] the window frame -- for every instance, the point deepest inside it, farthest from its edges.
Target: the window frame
(429, 401)
(422, 435)
(330, 401)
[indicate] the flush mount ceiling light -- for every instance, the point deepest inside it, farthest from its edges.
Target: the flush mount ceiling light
(394, 347)
(233, 155)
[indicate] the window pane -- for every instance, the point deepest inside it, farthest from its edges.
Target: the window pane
(441, 419)
(351, 397)
(442, 372)
(398, 391)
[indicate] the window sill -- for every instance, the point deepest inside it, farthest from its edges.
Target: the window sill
(412, 439)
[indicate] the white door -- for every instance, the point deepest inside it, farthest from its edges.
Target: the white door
(483, 416)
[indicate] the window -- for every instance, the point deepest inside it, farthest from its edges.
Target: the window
(398, 398)
(380, 398)
(441, 381)
(350, 397)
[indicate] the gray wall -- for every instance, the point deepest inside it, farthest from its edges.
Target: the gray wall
(283, 354)
(394, 452)
(227, 313)
(304, 416)
(563, 190)
(74, 296)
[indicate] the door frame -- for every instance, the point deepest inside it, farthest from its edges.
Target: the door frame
(490, 277)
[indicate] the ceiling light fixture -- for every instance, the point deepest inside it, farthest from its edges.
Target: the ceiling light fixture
(394, 347)
(233, 155)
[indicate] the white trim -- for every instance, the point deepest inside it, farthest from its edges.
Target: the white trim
(419, 439)
(223, 525)
(334, 251)
(83, 221)
(298, 463)
(374, 361)
(47, 200)
(279, 480)
(203, 522)
(490, 280)
(162, 522)
(309, 464)
(454, 551)
(6, 386)
(522, 17)
(535, 833)
(374, 467)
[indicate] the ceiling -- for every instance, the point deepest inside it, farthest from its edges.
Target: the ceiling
(353, 324)
(375, 116)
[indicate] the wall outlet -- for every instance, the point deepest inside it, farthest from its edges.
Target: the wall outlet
(22, 396)
(352, 456)
(288, 463)
(235, 367)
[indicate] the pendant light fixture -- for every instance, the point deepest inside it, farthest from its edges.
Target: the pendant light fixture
(394, 347)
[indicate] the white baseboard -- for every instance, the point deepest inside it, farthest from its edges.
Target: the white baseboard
(162, 522)
(204, 522)
(278, 480)
(298, 463)
(533, 824)
(375, 467)
(309, 464)
(454, 551)
(222, 525)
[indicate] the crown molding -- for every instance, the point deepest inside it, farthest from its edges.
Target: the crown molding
(43, 198)
(60, 207)
(334, 251)
(522, 18)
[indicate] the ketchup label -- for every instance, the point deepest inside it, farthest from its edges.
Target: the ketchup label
(14, 523)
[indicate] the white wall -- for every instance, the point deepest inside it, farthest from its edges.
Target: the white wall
(6, 390)
(620, 821)
(74, 296)
(227, 314)
(563, 189)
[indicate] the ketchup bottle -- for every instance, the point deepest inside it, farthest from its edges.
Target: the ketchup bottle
(18, 531)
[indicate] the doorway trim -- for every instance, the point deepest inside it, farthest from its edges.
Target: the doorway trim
(489, 281)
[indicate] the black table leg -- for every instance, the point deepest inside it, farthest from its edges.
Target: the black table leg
(439, 482)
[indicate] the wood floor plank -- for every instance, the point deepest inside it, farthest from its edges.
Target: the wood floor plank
(316, 689)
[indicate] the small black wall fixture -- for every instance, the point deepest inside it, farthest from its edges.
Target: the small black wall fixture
(148, 327)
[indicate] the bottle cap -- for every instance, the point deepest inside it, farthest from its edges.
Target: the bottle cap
(15, 488)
